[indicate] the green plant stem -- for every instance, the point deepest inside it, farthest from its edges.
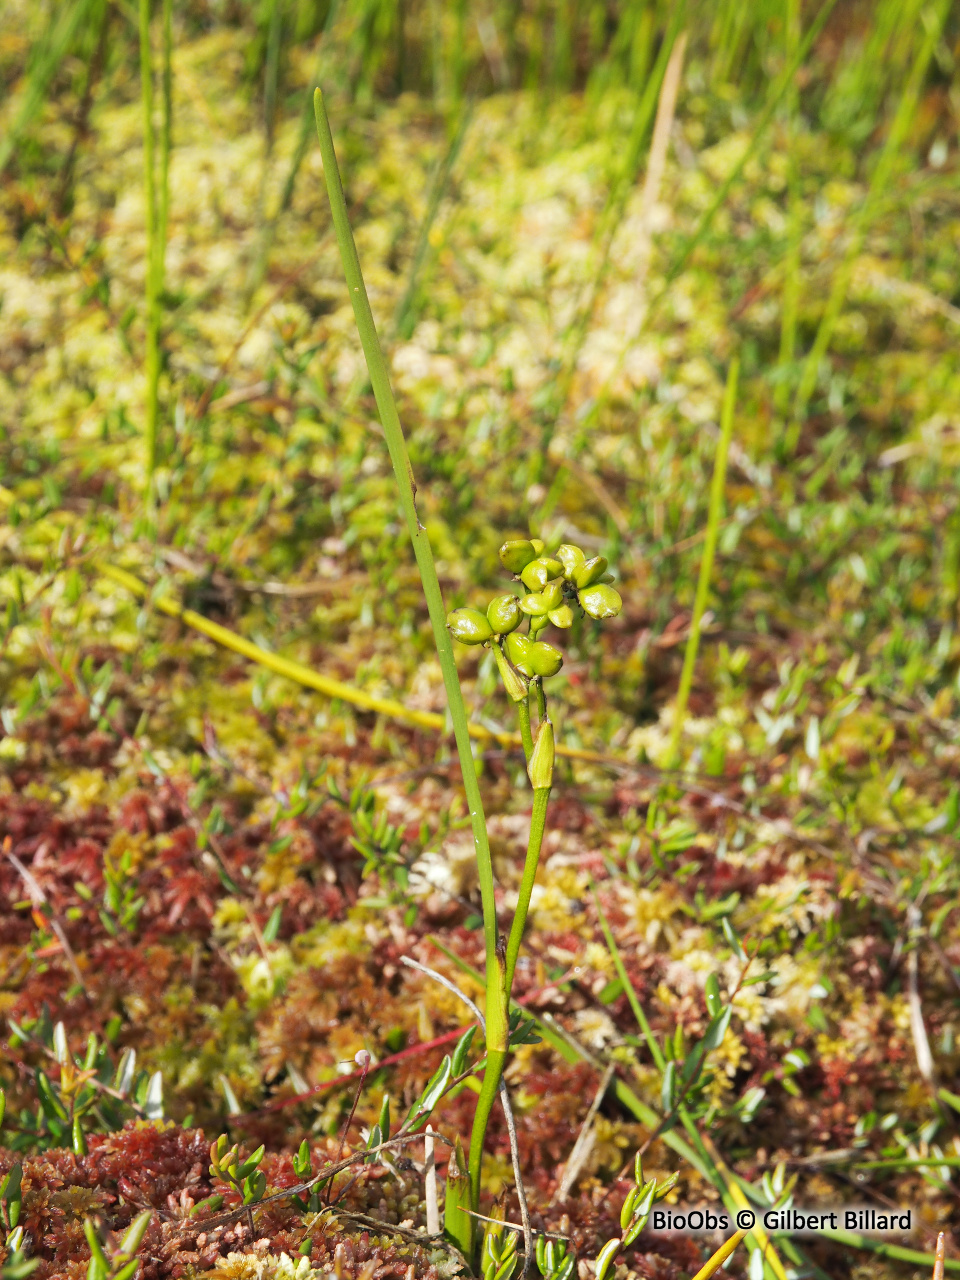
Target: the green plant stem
(66, 22)
(703, 1159)
(496, 1010)
(609, 221)
(699, 234)
(166, 141)
(306, 119)
(404, 317)
(879, 185)
(492, 1074)
(791, 284)
(538, 821)
(261, 253)
(706, 562)
(541, 699)
(152, 355)
(656, 1053)
(523, 715)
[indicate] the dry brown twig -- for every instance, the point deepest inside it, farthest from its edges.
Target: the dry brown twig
(941, 1256)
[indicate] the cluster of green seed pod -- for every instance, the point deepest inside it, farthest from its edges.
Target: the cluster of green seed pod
(556, 585)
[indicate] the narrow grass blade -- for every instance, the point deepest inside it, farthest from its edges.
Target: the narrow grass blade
(496, 1013)
(265, 225)
(791, 282)
(327, 685)
(404, 317)
(706, 561)
(855, 1241)
(152, 215)
(780, 87)
(715, 1262)
(706, 1155)
(307, 125)
(166, 143)
(637, 1008)
(57, 42)
(879, 184)
(396, 444)
(699, 234)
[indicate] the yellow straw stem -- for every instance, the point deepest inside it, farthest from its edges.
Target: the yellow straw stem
(327, 685)
(719, 1258)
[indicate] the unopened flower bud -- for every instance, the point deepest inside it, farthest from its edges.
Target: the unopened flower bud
(469, 626)
(517, 553)
(540, 768)
(591, 571)
(600, 601)
(545, 660)
(503, 614)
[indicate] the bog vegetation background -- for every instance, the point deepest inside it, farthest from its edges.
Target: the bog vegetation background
(230, 802)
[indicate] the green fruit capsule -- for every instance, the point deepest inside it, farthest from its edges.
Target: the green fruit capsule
(538, 545)
(562, 617)
(537, 624)
(503, 614)
(572, 559)
(517, 553)
(545, 660)
(517, 648)
(600, 601)
(539, 572)
(591, 571)
(541, 602)
(469, 626)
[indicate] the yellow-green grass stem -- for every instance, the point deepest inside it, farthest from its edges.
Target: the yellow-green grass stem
(854, 1240)
(497, 1043)
(879, 185)
(66, 21)
(526, 735)
(697, 1156)
(716, 1260)
(380, 381)
(152, 300)
(702, 1155)
(538, 822)
(706, 561)
(301, 674)
(700, 232)
(790, 303)
(166, 142)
